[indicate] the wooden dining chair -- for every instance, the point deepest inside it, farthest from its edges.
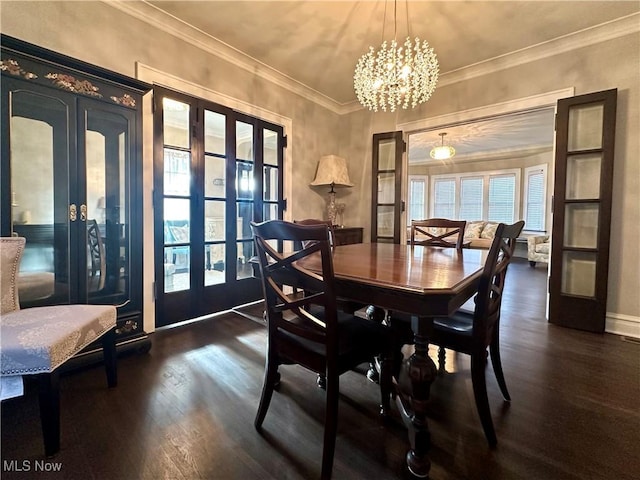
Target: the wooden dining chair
(473, 333)
(317, 221)
(308, 329)
(438, 232)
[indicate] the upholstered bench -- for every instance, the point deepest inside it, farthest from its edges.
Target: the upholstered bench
(37, 341)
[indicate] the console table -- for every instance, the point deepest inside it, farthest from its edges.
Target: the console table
(348, 235)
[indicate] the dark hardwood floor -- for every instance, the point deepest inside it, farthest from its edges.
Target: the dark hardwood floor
(185, 410)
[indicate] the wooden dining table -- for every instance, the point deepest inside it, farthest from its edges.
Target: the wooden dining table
(424, 282)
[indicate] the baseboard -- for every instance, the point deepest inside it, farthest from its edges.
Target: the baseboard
(626, 325)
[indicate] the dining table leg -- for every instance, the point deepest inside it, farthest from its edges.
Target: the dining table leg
(414, 384)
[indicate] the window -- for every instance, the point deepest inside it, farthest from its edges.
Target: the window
(502, 198)
(470, 198)
(417, 198)
(535, 181)
(444, 193)
(492, 196)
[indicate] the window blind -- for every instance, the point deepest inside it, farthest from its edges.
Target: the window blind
(471, 198)
(444, 198)
(502, 190)
(535, 201)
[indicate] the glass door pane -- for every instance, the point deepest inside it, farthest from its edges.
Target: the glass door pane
(177, 195)
(40, 204)
(106, 161)
(387, 205)
(215, 201)
(245, 188)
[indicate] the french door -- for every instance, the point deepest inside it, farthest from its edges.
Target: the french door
(215, 171)
(386, 194)
(585, 137)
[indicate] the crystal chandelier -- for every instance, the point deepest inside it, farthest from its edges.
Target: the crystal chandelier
(442, 152)
(396, 75)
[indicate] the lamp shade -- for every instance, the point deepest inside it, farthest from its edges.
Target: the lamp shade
(332, 170)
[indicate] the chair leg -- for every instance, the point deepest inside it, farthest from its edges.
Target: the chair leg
(330, 425)
(271, 379)
(49, 400)
(110, 357)
(442, 357)
(478, 367)
(496, 362)
(385, 381)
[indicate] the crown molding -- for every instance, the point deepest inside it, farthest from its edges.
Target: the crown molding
(152, 15)
(173, 26)
(582, 38)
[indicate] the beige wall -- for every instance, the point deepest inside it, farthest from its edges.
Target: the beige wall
(99, 34)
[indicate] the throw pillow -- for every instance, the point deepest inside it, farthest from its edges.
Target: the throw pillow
(473, 229)
(489, 230)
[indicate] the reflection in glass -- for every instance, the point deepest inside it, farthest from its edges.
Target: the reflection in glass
(583, 176)
(581, 225)
(387, 155)
(385, 221)
(244, 141)
(214, 176)
(177, 269)
(39, 135)
(214, 226)
(245, 252)
(177, 172)
(270, 183)
(106, 148)
(386, 187)
(579, 274)
(270, 211)
(214, 264)
(214, 132)
(244, 180)
(270, 143)
(176, 220)
(585, 127)
(245, 215)
(176, 123)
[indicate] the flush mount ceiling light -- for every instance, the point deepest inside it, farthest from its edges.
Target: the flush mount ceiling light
(396, 75)
(442, 152)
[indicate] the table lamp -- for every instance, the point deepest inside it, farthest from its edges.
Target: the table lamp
(332, 170)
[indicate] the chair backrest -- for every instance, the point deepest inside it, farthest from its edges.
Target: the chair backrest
(438, 232)
(97, 260)
(489, 298)
(315, 221)
(11, 249)
(281, 275)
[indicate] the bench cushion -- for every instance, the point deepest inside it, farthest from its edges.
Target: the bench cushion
(39, 339)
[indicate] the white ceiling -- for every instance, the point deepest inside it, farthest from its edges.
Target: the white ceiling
(311, 47)
(526, 133)
(317, 43)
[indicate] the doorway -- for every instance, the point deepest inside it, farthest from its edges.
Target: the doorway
(215, 171)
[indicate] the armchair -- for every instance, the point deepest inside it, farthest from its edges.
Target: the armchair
(39, 340)
(538, 248)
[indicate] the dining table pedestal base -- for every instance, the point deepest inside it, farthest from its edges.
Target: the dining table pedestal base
(417, 374)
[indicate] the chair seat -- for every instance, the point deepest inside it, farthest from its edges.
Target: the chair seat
(39, 339)
(358, 339)
(460, 323)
